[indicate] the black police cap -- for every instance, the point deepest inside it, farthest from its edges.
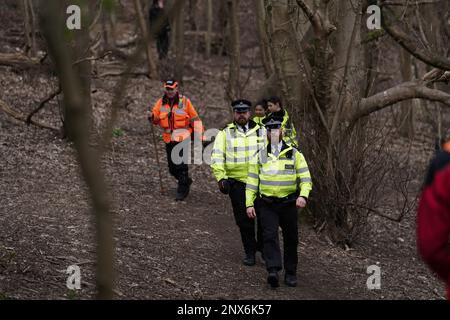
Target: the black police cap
(241, 105)
(273, 124)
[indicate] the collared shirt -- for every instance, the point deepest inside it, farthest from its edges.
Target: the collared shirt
(243, 128)
(276, 149)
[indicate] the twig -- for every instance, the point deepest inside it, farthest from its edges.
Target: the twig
(120, 74)
(92, 58)
(20, 117)
(100, 10)
(42, 104)
(376, 212)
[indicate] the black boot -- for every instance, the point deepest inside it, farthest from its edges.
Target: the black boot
(263, 259)
(184, 186)
(249, 260)
(290, 280)
(273, 279)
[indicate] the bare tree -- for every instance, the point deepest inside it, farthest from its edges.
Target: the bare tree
(319, 61)
(74, 83)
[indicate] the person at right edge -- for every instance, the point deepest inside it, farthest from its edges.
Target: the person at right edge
(280, 174)
(433, 219)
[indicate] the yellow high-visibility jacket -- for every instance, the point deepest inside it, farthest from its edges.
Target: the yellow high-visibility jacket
(259, 120)
(233, 150)
(278, 176)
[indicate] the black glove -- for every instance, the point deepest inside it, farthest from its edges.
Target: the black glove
(224, 186)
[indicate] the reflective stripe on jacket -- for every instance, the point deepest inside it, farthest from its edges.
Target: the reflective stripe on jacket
(289, 132)
(177, 121)
(278, 176)
(259, 120)
(234, 149)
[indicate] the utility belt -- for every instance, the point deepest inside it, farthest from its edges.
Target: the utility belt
(288, 199)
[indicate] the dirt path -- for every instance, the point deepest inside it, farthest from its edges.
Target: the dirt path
(164, 249)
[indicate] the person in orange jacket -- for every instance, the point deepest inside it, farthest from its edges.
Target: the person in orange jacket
(176, 115)
(433, 219)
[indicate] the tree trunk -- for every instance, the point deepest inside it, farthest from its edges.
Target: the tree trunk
(153, 73)
(27, 26)
(406, 119)
(285, 53)
(75, 85)
(179, 43)
(209, 17)
(266, 56)
(224, 21)
(234, 86)
(196, 15)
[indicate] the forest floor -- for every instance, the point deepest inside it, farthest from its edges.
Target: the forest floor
(164, 249)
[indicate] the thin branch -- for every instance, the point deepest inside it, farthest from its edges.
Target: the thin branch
(93, 58)
(416, 2)
(322, 28)
(42, 104)
(376, 212)
(410, 44)
(20, 117)
(97, 17)
(409, 90)
(18, 59)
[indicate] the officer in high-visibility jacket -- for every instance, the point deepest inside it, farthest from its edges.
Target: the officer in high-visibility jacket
(176, 115)
(277, 112)
(260, 112)
(281, 178)
(234, 146)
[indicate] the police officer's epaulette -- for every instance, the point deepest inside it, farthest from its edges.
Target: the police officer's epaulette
(226, 126)
(290, 153)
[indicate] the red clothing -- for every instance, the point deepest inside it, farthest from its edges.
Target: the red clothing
(433, 221)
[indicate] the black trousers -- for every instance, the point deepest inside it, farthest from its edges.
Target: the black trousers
(272, 216)
(178, 171)
(162, 44)
(252, 242)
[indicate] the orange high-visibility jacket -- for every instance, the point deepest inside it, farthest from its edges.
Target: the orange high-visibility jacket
(178, 121)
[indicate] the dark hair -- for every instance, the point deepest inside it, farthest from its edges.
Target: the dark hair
(262, 103)
(274, 100)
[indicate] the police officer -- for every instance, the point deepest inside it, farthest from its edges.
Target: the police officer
(277, 112)
(234, 146)
(282, 179)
